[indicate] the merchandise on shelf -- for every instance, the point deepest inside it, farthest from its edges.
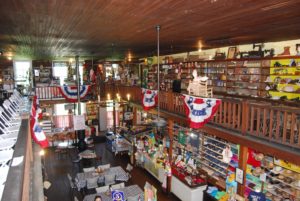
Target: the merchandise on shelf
(275, 178)
(91, 111)
(284, 80)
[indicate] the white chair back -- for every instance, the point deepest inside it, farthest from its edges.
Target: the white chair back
(104, 167)
(102, 189)
(118, 186)
(90, 169)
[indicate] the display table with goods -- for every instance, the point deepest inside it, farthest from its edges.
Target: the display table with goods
(117, 144)
(274, 178)
(152, 155)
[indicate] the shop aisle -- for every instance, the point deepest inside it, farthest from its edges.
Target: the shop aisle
(58, 168)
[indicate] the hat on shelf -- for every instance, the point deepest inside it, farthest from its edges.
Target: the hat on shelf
(259, 156)
(257, 171)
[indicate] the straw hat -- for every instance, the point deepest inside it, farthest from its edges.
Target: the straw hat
(259, 156)
(257, 171)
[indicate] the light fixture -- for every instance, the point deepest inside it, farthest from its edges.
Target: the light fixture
(129, 57)
(9, 58)
(42, 152)
(199, 46)
(1, 53)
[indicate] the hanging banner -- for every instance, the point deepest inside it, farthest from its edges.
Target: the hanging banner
(149, 98)
(37, 133)
(70, 92)
(200, 110)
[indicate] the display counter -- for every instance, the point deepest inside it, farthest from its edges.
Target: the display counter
(154, 168)
(186, 193)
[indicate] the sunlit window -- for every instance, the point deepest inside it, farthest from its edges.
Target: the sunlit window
(22, 72)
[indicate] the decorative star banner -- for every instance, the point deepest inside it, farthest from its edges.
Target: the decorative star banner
(200, 110)
(149, 98)
(37, 133)
(70, 92)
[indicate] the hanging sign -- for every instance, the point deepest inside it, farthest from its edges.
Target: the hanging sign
(149, 98)
(79, 122)
(200, 110)
(70, 92)
(117, 195)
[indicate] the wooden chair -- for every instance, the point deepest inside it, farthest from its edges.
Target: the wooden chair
(200, 89)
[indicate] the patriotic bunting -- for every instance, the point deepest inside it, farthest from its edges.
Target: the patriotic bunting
(37, 133)
(149, 98)
(200, 110)
(70, 92)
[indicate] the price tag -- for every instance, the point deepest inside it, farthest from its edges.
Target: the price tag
(263, 177)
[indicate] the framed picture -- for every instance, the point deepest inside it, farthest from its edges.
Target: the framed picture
(239, 175)
(231, 52)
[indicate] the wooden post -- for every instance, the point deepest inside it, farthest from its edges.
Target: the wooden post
(171, 134)
(243, 166)
(245, 109)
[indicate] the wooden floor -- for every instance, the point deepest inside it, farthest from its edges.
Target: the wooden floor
(57, 168)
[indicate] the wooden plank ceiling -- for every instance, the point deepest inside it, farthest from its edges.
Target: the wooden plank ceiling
(51, 28)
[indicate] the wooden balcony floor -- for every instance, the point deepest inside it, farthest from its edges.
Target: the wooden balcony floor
(57, 169)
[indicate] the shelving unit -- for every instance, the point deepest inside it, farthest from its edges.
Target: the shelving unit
(42, 74)
(274, 186)
(91, 110)
(285, 78)
(7, 78)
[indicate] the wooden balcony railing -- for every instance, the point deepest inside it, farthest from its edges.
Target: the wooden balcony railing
(280, 124)
(48, 93)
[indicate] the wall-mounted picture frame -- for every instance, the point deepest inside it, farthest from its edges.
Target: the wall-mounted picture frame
(239, 175)
(231, 53)
(297, 49)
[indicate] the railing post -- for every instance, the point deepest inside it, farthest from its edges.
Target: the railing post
(244, 120)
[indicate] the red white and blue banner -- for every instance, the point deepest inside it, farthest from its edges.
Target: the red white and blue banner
(37, 133)
(149, 98)
(200, 110)
(70, 92)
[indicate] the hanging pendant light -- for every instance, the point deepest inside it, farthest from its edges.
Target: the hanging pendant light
(158, 122)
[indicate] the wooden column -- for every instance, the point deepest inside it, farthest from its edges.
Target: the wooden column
(243, 166)
(171, 134)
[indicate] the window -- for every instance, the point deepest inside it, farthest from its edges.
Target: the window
(60, 70)
(22, 73)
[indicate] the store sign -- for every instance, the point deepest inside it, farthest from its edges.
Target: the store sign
(79, 122)
(117, 195)
(287, 165)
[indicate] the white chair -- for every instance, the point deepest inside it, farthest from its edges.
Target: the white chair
(90, 169)
(102, 189)
(109, 179)
(134, 198)
(7, 144)
(129, 167)
(104, 167)
(118, 186)
(92, 183)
